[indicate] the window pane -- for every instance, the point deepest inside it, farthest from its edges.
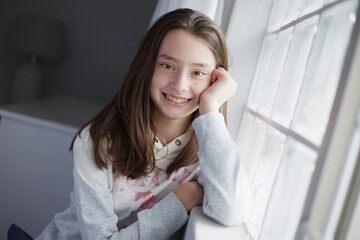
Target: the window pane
(260, 72)
(264, 178)
(294, 70)
(289, 193)
(323, 72)
(274, 73)
(244, 131)
(252, 152)
(292, 8)
(277, 12)
(308, 6)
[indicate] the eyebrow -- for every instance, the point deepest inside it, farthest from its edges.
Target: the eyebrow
(167, 57)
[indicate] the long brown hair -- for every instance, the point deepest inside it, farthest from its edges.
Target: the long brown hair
(122, 133)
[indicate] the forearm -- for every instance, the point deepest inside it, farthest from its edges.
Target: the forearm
(97, 221)
(95, 207)
(227, 196)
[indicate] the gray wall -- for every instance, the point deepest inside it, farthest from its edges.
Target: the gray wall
(102, 39)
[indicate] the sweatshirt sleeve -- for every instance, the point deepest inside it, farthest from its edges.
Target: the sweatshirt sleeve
(94, 204)
(227, 193)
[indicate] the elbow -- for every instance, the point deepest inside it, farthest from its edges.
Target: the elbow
(237, 209)
(232, 213)
(237, 217)
(234, 217)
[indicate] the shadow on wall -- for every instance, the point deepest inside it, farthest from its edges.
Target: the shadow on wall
(102, 37)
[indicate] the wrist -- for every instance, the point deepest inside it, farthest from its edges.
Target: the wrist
(178, 195)
(206, 107)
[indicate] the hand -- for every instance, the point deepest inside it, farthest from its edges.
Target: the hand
(190, 194)
(221, 89)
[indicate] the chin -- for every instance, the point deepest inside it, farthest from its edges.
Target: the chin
(178, 115)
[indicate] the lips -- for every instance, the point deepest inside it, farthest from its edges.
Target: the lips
(176, 99)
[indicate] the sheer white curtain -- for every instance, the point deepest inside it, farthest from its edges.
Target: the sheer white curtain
(212, 8)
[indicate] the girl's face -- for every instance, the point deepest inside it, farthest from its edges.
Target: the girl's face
(182, 71)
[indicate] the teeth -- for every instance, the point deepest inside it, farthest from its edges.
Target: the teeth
(176, 99)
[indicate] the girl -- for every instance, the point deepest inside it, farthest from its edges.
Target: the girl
(136, 162)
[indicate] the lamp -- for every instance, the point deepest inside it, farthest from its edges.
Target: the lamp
(38, 37)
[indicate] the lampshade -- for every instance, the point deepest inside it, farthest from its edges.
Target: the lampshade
(38, 35)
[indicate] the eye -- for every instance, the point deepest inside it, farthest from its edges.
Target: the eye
(198, 73)
(167, 66)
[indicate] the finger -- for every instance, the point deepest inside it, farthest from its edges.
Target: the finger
(217, 74)
(214, 76)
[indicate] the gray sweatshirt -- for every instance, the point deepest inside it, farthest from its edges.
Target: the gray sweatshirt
(111, 206)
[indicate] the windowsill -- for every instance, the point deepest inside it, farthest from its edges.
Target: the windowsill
(202, 227)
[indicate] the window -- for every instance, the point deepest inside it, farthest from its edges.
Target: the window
(282, 131)
(348, 193)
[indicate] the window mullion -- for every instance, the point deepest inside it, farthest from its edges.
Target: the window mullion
(284, 130)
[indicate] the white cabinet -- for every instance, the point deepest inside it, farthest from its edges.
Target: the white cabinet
(35, 165)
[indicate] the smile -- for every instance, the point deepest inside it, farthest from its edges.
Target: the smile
(176, 100)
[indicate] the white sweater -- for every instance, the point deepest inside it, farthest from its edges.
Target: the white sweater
(111, 206)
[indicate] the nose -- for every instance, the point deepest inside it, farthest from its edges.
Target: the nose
(180, 82)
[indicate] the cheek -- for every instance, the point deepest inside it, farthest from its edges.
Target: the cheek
(153, 88)
(157, 81)
(200, 87)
